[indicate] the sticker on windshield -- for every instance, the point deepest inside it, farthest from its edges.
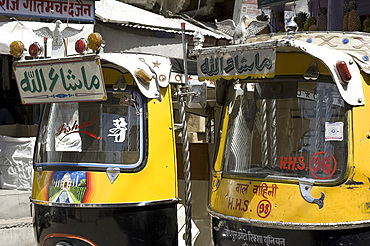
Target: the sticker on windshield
(119, 130)
(333, 131)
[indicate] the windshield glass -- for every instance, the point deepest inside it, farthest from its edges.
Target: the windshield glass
(286, 129)
(109, 133)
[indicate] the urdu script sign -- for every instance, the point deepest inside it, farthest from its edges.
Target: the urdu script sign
(60, 81)
(237, 64)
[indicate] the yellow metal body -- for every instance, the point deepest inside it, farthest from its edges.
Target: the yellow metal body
(268, 201)
(157, 181)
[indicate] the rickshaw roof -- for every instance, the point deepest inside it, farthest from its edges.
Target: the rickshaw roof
(329, 51)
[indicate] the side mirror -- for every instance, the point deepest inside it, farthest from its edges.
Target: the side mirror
(197, 94)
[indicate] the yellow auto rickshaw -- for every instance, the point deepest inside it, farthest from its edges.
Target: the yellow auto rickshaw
(105, 158)
(291, 160)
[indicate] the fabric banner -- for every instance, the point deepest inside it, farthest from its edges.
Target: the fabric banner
(16, 171)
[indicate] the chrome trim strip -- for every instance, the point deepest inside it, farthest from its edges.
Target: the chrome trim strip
(293, 225)
(104, 205)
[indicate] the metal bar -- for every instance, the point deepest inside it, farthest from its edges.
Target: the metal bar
(185, 148)
(319, 108)
(265, 160)
(185, 52)
(328, 147)
(273, 133)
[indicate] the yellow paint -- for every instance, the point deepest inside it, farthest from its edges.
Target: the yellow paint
(340, 203)
(111, 75)
(156, 181)
(343, 202)
(296, 64)
(39, 189)
(254, 76)
(220, 152)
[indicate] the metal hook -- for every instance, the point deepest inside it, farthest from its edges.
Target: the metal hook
(305, 185)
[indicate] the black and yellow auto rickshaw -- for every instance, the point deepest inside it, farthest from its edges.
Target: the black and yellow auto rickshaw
(105, 157)
(291, 164)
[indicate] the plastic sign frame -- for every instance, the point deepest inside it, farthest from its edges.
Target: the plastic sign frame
(60, 80)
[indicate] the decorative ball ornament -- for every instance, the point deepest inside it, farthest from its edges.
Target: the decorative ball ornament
(94, 41)
(35, 49)
(81, 46)
(16, 49)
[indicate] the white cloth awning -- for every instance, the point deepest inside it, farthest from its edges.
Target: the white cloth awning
(211, 63)
(22, 31)
(117, 12)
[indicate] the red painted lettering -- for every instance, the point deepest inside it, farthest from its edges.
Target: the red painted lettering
(74, 127)
(238, 204)
(283, 162)
(82, 125)
(291, 164)
(90, 122)
(230, 204)
(301, 164)
(323, 165)
(60, 130)
(246, 202)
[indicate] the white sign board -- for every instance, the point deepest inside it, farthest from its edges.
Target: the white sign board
(250, 8)
(237, 64)
(77, 10)
(61, 80)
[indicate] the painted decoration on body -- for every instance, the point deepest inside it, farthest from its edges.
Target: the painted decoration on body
(68, 187)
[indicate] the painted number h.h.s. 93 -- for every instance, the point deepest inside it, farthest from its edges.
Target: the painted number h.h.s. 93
(35, 80)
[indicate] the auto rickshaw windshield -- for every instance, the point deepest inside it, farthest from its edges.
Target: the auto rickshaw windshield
(287, 129)
(93, 133)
